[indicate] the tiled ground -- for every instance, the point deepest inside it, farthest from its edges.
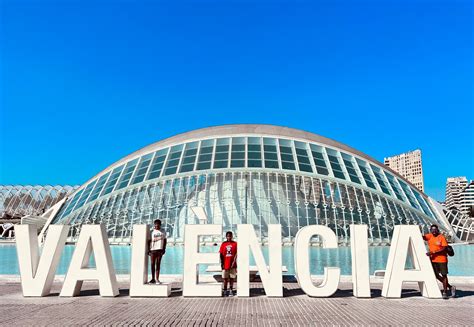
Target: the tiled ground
(294, 309)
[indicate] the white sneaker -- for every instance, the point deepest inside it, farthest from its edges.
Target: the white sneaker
(158, 282)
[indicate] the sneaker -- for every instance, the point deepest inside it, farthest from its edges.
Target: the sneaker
(231, 293)
(234, 293)
(453, 291)
(152, 281)
(226, 293)
(158, 282)
(445, 296)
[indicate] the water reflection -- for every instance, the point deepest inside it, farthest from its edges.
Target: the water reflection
(172, 262)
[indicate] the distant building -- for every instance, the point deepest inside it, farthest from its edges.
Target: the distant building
(454, 188)
(409, 166)
(466, 200)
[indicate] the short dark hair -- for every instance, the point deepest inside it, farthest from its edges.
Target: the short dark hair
(434, 225)
(228, 233)
(157, 221)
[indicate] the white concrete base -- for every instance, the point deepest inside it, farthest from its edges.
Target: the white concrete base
(159, 290)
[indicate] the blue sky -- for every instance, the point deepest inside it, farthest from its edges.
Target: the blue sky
(86, 83)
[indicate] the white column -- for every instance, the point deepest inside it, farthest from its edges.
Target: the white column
(360, 260)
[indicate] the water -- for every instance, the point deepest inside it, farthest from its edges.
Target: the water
(172, 263)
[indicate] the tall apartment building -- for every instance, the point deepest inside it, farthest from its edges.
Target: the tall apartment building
(408, 165)
(467, 200)
(454, 188)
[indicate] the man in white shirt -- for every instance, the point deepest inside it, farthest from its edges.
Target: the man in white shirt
(156, 249)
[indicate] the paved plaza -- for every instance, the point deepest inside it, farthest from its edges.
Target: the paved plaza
(294, 309)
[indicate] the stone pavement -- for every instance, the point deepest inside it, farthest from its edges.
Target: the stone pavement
(294, 309)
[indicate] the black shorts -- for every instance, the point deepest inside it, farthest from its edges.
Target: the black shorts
(440, 268)
(156, 252)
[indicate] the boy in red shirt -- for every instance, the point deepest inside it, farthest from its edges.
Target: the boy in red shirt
(228, 255)
(439, 259)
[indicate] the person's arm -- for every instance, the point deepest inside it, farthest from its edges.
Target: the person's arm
(149, 245)
(164, 244)
(444, 245)
(221, 256)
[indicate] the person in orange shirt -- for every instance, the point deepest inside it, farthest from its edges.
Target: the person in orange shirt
(437, 245)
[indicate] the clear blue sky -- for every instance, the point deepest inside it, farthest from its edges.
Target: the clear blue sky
(86, 83)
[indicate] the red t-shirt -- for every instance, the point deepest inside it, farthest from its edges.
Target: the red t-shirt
(229, 251)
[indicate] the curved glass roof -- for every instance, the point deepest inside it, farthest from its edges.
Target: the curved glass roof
(248, 152)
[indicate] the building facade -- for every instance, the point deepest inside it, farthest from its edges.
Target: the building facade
(467, 200)
(409, 166)
(249, 174)
(454, 188)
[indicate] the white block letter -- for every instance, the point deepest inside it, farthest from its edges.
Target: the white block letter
(37, 274)
(331, 274)
(360, 260)
(139, 267)
(192, 258)
(271, 278)
(92, 238)
(406, 241)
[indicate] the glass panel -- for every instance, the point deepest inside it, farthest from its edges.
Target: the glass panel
(335, 164)
(173, 160)
(221, 159)
(85, 194)
(98, 187)
(112, 180)
(380, 180)
(395, 187)
(302, 156)
(365, 173)
(349, 163)
(157, 164)
(318, 158)
(189, 157)
(422, 202)
(142, 169)
(127, 174)
(409, 195)
(287, 160)
(72, 203)
(254, 155)
(270, 153)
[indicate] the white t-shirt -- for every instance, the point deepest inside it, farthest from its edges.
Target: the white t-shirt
(157, 239)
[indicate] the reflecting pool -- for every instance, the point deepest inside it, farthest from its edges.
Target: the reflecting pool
(172, 263)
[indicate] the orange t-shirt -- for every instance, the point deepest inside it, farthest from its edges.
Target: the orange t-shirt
(436, 243)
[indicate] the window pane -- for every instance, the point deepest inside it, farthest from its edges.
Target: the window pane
(380, 180)
(112, 180)
(98, 187)
(365, 174)
(142, 169)
(127, 174)
(173, 160)
(157, 164)
(318, 159)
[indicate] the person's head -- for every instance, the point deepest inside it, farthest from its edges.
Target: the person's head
(228, 236)
(434, 230)
(157, 224)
